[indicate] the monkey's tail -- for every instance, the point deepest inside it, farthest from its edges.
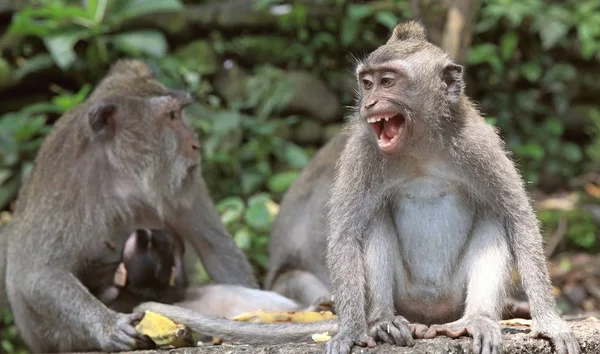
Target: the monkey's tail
(241, 332)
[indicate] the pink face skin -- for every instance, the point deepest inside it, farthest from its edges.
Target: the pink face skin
(381, 86)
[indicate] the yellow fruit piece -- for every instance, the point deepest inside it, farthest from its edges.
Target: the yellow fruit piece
(163, 331)
(275, 317)
(321, 337)
(517, 322)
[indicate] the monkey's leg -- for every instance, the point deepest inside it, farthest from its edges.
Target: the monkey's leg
(487, 263)
(223, 260)
(63, 308)
(301, 286)
(382, 265)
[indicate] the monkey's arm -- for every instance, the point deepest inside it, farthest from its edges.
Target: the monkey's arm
(351, 207)
(59, 295)
(496, 182)
(223, 260)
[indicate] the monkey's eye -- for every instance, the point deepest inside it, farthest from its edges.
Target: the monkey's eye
(367, 84)
(387, 82)
(173, 115)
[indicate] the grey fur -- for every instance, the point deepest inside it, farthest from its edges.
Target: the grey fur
(94, 182)
(427, 232)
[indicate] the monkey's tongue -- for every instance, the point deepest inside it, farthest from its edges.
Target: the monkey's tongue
(391, 127)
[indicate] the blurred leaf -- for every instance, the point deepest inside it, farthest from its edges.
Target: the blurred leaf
(553, 31)
(36, 63)
(508, 44)
(531, 71)
(357, 12)
(349, 31)
(387, 18)
(531, 150)
(295, 155)
(136, 8)
(150, 42)
(280, 182)
(481, 53)
(243, 238)
(61, 47)
(572, 152)
(257, 215)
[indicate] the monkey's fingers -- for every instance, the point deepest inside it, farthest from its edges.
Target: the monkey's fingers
(395, 331)
(449, 330)
(418, 330)
(365, 340)
(564, 342)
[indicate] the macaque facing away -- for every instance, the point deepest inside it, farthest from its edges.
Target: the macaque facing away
(427, 213)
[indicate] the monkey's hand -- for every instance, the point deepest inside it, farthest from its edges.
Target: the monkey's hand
(485, 332)
(119, 334)
(396, 330)
(343, 342)
(559, 334)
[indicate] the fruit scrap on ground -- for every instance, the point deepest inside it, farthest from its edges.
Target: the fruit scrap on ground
(276, 317)
(163, 331)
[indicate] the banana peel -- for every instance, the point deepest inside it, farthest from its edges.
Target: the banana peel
(163, 331)
(261, 316)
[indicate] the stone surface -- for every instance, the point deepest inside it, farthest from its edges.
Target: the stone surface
(515, 340)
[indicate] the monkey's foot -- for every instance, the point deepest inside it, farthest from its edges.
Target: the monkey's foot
(560, 336)
(396, 331)
(342, 343)
(120, 334)
(485, 333)
(324, 303)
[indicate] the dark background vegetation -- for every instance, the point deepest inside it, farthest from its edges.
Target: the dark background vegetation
(273, 80)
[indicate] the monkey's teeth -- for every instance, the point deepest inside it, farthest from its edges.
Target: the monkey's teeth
(388, 118)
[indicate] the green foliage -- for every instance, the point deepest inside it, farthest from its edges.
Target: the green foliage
(581, 230)
(525, 79)
(10, 342)
(21, 134)
(62, 24)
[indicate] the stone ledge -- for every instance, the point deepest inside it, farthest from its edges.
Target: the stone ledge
(515, 340)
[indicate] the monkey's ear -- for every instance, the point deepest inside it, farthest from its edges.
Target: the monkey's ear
(453, 78)
(408, 31)
(102, 119)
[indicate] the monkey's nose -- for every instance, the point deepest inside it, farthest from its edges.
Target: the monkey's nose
(371, 104)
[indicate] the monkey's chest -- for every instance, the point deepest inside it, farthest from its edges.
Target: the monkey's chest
(432, 222)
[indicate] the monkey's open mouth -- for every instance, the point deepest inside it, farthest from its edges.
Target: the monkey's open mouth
(389, 128)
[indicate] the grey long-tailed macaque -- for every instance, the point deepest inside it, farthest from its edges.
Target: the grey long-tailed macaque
(427, 212)
(122, 160)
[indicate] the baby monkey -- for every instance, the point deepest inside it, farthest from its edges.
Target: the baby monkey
(151, 269)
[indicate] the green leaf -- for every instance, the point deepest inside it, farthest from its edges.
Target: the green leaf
(508, 44)
(553, 31)
(257, 215)
(136, 8)
(531, 71)
(481, 53)
(531, 150)
(349, 31)
(61, 48)
(572, 152)
(36, 63)
(295, 155)
(387, 18)
(359, 12)
(243, 238)
(150, 42)
(280, 182)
